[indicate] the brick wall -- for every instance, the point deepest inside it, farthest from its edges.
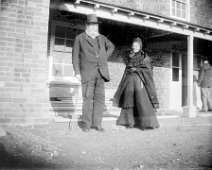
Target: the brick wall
(116, 72)
(158, 7)
(23, 61)
(200, 10)
(201, 13)
(162, 77)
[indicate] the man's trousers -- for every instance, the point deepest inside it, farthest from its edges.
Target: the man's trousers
(206, 96)
(93, 93)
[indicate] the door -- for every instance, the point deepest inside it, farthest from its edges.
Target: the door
(176, 82)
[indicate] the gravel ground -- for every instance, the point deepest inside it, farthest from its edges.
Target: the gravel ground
(178, 144)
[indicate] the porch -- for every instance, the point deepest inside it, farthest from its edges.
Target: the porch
(172, 45)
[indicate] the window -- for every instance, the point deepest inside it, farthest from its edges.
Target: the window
(63, 40)
(63, 43)
(175, 66)
(180, 9)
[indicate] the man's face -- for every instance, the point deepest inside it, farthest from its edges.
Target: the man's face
(93, 27)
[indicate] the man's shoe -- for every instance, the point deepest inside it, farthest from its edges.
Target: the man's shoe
(85, 129)
(100, 129)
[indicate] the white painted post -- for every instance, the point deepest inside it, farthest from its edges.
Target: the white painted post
(190, 109)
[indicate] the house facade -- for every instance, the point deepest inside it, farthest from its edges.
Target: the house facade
(36, 41)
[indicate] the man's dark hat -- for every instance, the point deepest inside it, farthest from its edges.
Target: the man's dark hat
(92, 19)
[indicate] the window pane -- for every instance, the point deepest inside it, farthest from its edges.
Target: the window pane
(178, 5)
(173, 3)
(67, 58)
(58, 58)
(175, 74)
(68, 70)
(60, 31)
(71, 33)
(69, 45)
(183, 7)
(178, 13)
(175, 59)
(173, 7)
(59, 44)
(173, 12)
(183, 15)
(57, 69)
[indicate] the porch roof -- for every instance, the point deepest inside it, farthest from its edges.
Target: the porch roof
(135, 17)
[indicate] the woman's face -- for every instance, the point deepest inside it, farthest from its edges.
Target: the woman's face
(136, 47)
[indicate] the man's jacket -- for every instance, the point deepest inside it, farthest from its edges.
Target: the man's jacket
(205, 76)
(87, 61)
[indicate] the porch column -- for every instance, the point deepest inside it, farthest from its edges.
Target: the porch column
(190, 109)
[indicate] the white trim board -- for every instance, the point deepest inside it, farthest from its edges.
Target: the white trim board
(133, 19)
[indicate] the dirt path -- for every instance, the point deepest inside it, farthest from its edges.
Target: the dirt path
(178, 144)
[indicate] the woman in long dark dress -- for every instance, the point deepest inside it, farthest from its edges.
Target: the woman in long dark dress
(136, 93)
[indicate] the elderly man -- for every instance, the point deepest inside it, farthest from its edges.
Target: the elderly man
(205, 82)
(90, 53)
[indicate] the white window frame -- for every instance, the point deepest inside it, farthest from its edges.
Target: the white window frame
(178, 67)
(187, 11)
(52, 39)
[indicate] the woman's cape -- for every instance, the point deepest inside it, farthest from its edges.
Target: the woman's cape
(145, 74)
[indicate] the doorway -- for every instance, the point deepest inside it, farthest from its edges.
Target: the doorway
(176, 81)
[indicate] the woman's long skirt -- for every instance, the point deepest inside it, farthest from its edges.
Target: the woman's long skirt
(142, 114)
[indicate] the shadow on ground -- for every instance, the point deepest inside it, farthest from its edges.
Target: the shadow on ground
(19, 158)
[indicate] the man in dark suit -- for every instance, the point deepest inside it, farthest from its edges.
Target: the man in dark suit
(205, 82)
(90, 53)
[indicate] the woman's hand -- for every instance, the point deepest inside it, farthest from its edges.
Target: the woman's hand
(156, 106)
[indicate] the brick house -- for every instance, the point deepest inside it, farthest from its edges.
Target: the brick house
(36, 40)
